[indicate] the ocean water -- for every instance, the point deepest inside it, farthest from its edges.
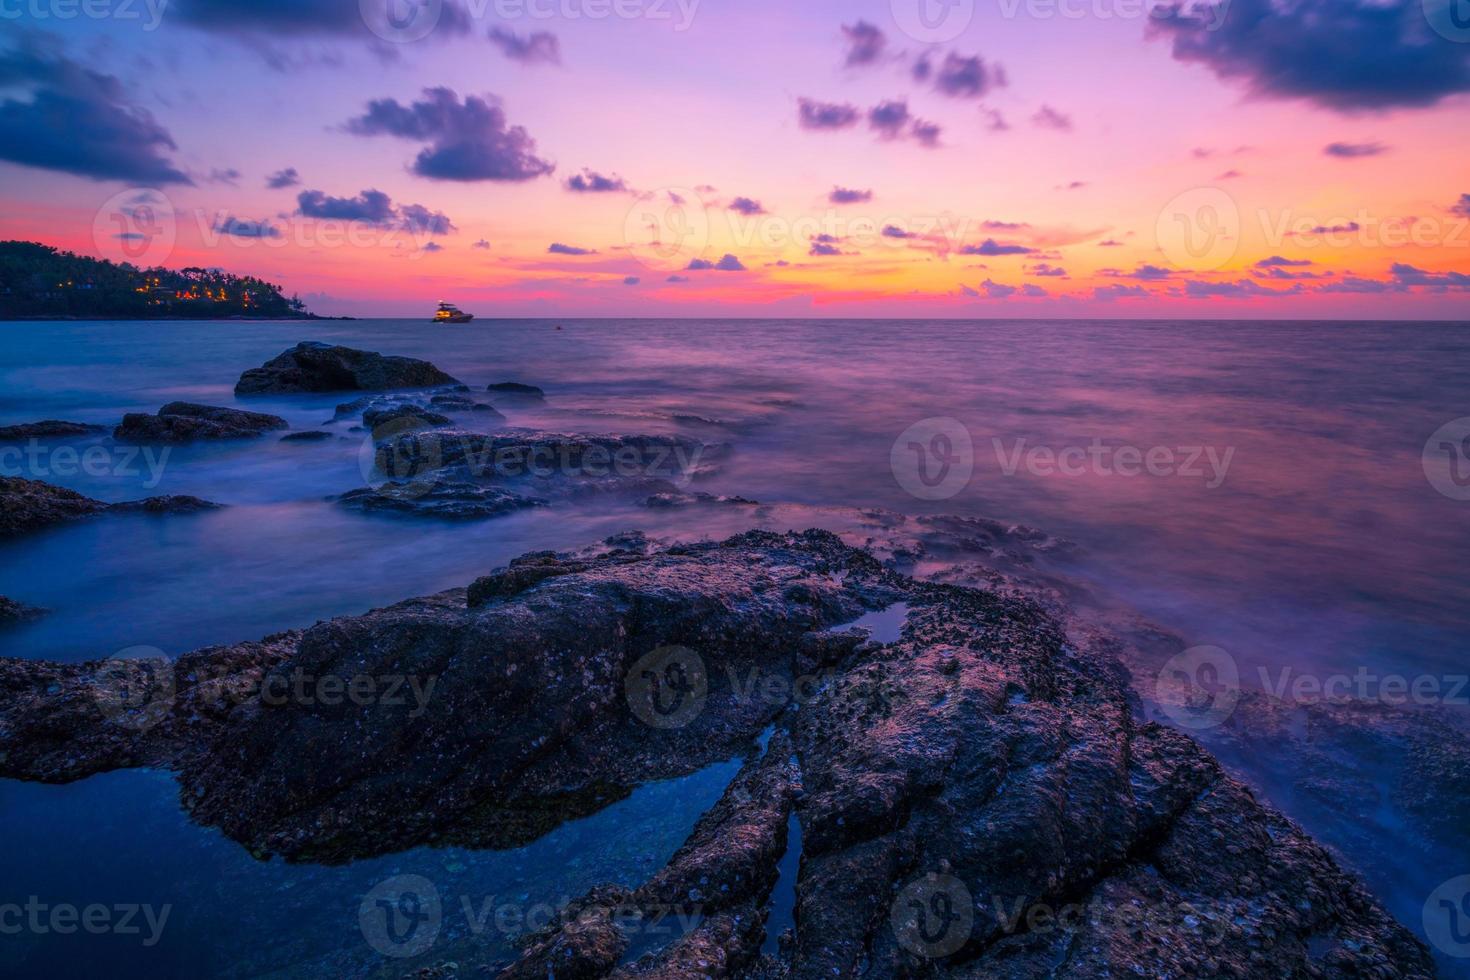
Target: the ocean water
(1287, 515)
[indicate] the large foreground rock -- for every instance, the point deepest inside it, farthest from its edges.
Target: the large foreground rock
(976, 799)
(29, 505)
(317, 367)
(187, 422)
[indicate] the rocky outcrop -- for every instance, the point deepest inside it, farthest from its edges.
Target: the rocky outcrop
(446, 501)
(29, 505)
(12, 612)
(403, 418)
(311, 367)
(49, 429)
(186, 422)
(512, 390)
(308, 435)
(976, 799)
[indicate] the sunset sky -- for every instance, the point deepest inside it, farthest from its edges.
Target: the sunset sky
(1025, 158)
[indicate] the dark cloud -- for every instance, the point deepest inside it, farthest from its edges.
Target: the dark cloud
(812, 114)
(482, 243)
(1110, 243)
(1462, 206)
(419, 219)
(997, 290)
(927, 133)
(299, 18)
(1148, 273)
(845, 195)
(1117, 291)
(1004, 225)
(537, 48)
(78, 121)
(865, 43)
(373, 207)
(1050, 271)
(468, 140)
(1411, 276)
(557, 248)
(240, 228)
(1356, 284)
(1343, 54)
(370, 207)
(746, 206)
(433, 247)
(1352, 151)
(993, 248)
(1048, 118)
(824, 248)
(677, 278)
(592, 182)
(229, 176)
(283, 178)
(727, 264)
(961, 77)
(1286, 275)
(631, 280)
(1241, 288)
(893, 231)
(1342, 229)
(891, 120)
(1278, 261)
(1033, 290)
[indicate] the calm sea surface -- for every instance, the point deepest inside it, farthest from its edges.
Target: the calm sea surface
(1288, 519)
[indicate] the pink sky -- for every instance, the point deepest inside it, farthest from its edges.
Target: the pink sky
(1205, 174)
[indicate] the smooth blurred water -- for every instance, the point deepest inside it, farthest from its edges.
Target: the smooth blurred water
(1325, 547)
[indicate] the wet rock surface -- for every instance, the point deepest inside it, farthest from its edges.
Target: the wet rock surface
(186, 422)
(49, 429)
(962, 792)
(512, 389)
(445, 501)
(317, 367)
(29, 505)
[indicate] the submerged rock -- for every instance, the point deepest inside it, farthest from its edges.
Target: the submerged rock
(447, 501)
(309, 435)
(403, 418)
(29, 505)
(12, 612)
(511, 389)
(976, 799)
(317, 367)
(187, 422)
(49, 429)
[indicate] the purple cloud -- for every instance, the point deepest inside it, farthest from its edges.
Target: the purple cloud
(1345, 56)
(746, 206)
(1278, 261)
(727, 264)
(1048, 118)
(844, 195)
(557, 248)
(78, 121)
(1353, 151)
(865, 43)
(537, 48)
(992, 247)
(240, 228)
(631, 280)
(960, 77)
(1462, 206)
(1117, 291)
(468, 141)
(419, 219)
(592, 182)
(282, 179)
(826, 115)
(371, 207)
(893, 231)
(824, 248)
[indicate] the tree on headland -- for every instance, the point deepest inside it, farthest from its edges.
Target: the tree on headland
(38, 281)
